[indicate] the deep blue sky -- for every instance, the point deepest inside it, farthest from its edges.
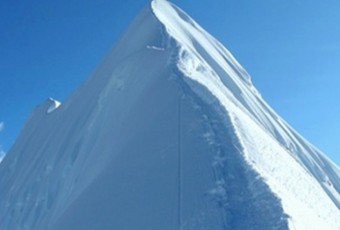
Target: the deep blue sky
(290, 47)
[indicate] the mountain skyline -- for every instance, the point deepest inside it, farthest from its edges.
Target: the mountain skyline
(56, 46)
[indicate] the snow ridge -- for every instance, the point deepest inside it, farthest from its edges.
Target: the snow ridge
(236, 93)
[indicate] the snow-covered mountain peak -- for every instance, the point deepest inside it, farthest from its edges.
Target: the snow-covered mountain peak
(167, 133)
(203, 59)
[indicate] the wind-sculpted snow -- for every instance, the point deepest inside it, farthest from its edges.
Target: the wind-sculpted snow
(202, 59)
(167, 133)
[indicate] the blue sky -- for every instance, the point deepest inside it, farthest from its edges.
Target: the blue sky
(290, 47)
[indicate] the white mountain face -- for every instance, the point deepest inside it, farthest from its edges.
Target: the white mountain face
(167, 133)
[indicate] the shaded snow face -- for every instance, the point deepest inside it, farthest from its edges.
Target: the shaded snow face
(184, 170)
(167, 133)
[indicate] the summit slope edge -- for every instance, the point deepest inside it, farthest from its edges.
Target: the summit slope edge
(239, 85)
(248, 100)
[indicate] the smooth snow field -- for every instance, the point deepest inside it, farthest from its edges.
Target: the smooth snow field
(168, 133)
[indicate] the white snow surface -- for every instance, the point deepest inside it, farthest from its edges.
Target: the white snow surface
(167, 133)
(54, 104)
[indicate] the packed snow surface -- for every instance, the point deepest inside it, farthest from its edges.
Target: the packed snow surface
(167, 133)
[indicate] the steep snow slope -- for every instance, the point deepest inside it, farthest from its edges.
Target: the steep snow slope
(167, 133)
(205, 61)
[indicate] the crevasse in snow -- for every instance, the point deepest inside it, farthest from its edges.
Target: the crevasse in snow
(167, 133)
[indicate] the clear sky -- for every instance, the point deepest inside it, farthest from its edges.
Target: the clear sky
(290, 47)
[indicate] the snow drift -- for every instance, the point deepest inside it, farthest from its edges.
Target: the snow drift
(167, 133)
